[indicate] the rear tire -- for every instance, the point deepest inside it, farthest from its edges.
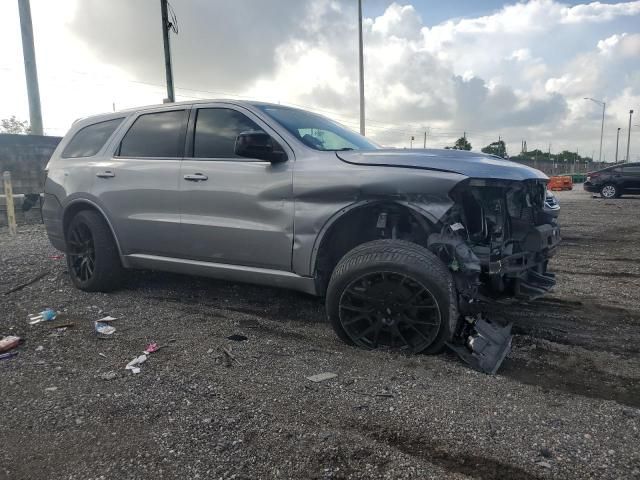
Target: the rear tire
(92, 254)
(392, 294)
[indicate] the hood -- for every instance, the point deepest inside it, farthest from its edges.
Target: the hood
(471, 164)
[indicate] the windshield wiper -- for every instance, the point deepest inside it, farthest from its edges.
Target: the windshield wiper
(345, 149)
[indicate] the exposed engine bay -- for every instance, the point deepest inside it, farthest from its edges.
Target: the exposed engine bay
(497, 241)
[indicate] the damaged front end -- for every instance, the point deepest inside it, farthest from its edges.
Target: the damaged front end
(497, 241)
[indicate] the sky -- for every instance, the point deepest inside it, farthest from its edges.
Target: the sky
(493, 69)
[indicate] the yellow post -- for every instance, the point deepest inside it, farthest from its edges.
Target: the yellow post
(11, 212)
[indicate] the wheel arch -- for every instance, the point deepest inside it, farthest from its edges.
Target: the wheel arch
(329, 247)
(76, 206)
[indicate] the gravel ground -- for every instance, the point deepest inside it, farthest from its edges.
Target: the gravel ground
(564, 405)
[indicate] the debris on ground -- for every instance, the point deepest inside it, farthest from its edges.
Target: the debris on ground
(108, 318)
(27, 283)
(133, 365)
(237, 337)
(63, 326)
(109, 375)
(44, 316)
(56, 257)
(5, 356)
(321, 377)
(229, 357)
(103, 328)
(485, 346)
(9, 343)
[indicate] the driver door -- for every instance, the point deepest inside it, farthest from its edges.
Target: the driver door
(234, 210)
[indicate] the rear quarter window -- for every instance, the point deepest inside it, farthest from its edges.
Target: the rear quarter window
(90, 139)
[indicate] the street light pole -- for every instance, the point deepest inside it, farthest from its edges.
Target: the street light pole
(629, 134)
(617, 141)
(361, 66)
(604, 106)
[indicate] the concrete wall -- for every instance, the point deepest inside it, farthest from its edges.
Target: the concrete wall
(25, 156)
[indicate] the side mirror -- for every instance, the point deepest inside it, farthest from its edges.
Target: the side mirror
(256, 144)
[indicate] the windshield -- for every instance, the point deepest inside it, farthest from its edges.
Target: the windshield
(316, 131)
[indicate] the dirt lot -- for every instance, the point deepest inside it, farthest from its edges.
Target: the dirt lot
(566, 403)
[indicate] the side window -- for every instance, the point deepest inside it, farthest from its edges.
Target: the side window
(89, 140)
(324, 139)
(158, 134)
(216, 131)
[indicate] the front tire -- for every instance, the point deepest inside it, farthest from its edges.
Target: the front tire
(392, 294)
(609, 191)
(92, 254)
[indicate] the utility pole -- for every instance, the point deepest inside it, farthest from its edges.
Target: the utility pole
(361, 64)
(604, 105)
(617, 142)
(629, 134)
(424, 145)
(30, 70)
(412, 139)
(167, 52)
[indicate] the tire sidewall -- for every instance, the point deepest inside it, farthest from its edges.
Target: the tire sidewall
(443, 296)
(107, 266)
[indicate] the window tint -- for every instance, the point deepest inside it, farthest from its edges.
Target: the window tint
(632, 169)
(158, 134)
(90, 139)
(216, 132)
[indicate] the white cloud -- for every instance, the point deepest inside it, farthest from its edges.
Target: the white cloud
(520, 72)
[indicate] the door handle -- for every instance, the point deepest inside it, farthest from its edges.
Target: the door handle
(196, 177)
(105, 174)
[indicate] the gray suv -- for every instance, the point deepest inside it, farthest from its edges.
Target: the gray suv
(409, 247)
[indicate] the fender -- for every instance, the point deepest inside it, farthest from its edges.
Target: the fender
(417, 208)
(94, 205)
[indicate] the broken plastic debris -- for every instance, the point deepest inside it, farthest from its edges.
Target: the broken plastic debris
(321, 377)
(485, 346)
(152, 347)
(5, 356)
(133, 364)
(56, 257)
(44, 316)
(108, 318)
(104, 328)
(237, 338)
(9, 343)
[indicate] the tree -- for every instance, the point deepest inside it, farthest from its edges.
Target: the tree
(13, 125)
(462, 144)
(496, 148)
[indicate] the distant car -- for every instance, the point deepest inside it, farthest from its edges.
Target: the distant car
(403, 244)
(612, 182)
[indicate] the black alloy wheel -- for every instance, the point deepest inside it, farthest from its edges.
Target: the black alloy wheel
(82, 253)
(393, 295)
(389, 309)
(93, 258)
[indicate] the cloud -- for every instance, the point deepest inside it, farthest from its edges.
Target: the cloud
(521, 71)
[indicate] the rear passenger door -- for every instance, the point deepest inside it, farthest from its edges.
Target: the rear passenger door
(138, 185)
(631, 178)
(235, 210)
